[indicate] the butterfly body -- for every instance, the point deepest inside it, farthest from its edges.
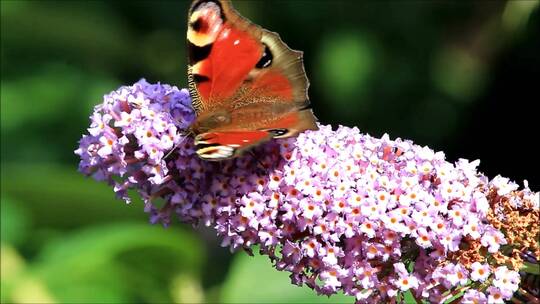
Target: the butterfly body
(247, 86)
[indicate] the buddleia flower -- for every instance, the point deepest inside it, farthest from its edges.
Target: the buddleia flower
(340, 210)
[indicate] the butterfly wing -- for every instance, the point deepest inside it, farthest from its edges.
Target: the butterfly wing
(222, 145)
(247, 86)
(229, 140)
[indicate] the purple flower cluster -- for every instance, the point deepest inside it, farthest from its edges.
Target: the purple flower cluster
(129, 134)
(340, 210)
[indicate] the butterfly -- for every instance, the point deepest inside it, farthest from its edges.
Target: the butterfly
(247, 86)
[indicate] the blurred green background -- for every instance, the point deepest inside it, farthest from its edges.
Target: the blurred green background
(461, 77)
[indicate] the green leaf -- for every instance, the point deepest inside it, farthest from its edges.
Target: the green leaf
(254, 280)
(105, 262)
(408, 297)
(96, 245)
(110, 263)
(79, 88)
(60, 197)
(531, 268)
(13, 219)
(38, 106)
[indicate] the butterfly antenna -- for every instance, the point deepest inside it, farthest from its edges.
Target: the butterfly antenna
(257, 159)
(184, 136)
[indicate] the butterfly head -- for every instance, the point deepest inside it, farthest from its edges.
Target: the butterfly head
(210, 120)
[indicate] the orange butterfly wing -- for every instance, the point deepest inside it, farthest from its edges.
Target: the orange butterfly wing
(247, 86)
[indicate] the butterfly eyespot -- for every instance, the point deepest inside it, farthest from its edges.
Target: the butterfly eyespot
(199, 25)
(278, 132)
(266, 59)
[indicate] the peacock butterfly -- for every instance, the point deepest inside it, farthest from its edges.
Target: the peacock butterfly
(246, 84)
